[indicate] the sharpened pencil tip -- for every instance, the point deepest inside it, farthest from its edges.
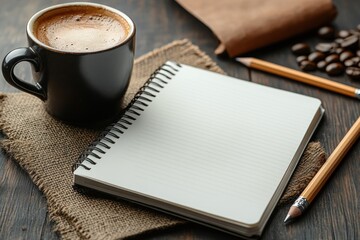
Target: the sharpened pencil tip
(293, 213)
(245, 61)
(288, 219)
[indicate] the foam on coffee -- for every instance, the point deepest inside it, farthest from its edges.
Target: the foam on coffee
(81, 29)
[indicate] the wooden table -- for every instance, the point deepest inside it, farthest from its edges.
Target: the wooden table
(335, 214)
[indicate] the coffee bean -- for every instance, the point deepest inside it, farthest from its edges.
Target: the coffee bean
(335, 44)
(343, 52)
(300, 49)
(316, 56)
(339, 50)
(354, 32)
(343, 34)
(339, 40)
(349, 63)
(321, 65)
(299, 59)
(324, 47)
(353, 73)
(326, 32)
(345, 56)
(350, 43)
(356, 60)
(334, 69)
(332, 58)
(307, 65)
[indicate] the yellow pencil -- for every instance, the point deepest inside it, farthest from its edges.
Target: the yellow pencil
(300, 76)
(319, 180)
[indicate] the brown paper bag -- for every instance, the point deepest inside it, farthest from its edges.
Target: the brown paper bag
(245, 25)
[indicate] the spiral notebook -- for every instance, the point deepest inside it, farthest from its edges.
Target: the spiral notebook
(203, 146)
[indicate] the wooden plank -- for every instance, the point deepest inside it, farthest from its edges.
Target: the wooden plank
(23, 208)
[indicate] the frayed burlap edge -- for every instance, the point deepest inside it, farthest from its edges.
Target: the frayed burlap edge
(203, 60)
(61, 226)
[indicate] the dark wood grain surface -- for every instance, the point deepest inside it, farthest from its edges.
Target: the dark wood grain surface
(335, 213)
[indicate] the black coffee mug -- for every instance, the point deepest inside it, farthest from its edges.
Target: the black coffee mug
(82, 88)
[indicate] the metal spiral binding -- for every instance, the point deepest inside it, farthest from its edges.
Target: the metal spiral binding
(141, 100)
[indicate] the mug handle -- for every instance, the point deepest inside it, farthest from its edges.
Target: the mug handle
(12, 59)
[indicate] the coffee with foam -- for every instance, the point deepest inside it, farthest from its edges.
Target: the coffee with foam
(81, 29)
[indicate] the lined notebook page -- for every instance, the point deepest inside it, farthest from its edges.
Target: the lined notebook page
(211, 143)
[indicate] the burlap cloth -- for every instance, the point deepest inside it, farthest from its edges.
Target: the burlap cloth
(47, 149)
